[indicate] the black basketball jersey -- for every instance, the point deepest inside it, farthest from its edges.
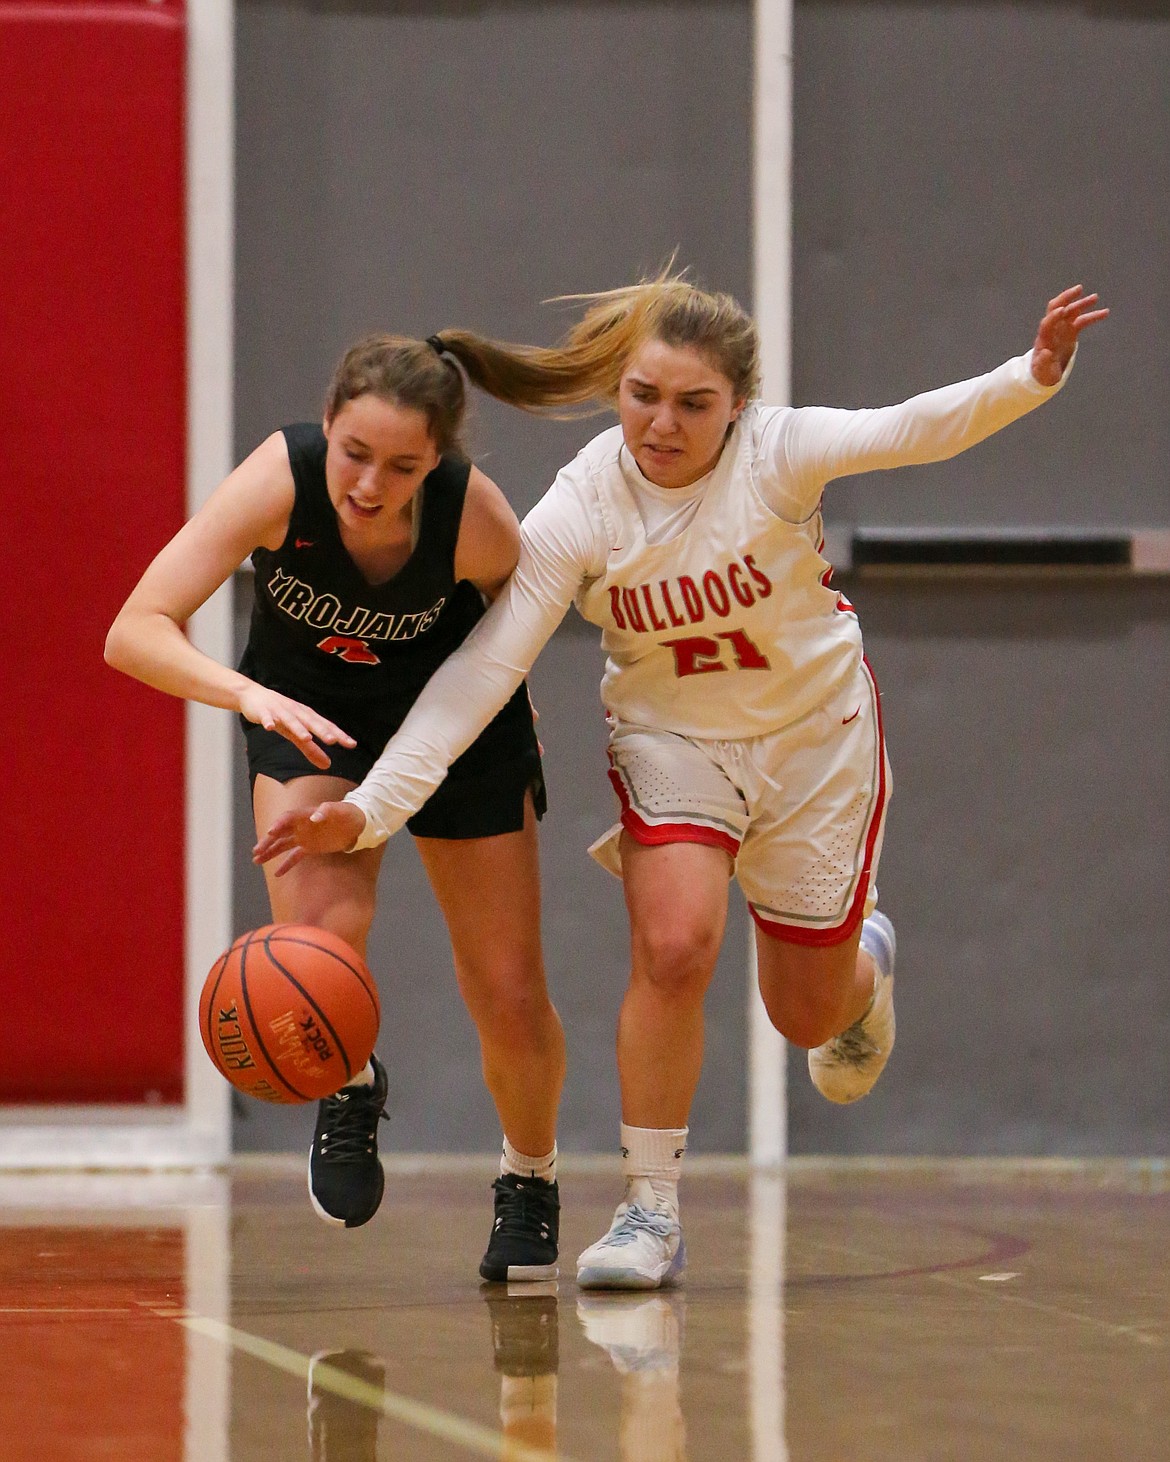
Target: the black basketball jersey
(321, 632)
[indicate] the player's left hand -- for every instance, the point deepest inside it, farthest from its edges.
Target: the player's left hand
(1067, 315)
(331, 827)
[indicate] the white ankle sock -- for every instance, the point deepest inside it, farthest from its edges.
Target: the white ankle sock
(523, 1166)
(878, 941)
(365, 1076)
(652, 1165)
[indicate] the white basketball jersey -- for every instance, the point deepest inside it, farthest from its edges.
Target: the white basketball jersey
(728, 630)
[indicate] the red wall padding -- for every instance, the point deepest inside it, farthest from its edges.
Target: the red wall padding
(92, 376)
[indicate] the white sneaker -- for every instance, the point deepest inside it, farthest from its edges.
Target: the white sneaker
(644, 1249)
(847, 1067)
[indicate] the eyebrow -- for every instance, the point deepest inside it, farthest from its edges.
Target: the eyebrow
(694, 391)
(355, 441)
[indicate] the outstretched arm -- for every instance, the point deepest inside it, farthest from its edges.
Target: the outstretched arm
(814, 444)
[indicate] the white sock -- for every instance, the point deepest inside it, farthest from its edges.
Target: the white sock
(365, 1076)
(877, 939)
(652, 1165)
(523, 1166)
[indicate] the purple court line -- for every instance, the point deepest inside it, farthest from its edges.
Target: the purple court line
(1004, 1247)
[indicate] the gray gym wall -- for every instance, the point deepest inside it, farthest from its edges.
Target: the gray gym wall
(412, 165)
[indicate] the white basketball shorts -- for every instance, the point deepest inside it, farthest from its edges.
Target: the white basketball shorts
(800, 811)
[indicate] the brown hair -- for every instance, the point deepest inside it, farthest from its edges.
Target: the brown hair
(409, 373)
(587, 365)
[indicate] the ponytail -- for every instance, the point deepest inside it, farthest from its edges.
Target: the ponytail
(584, 370)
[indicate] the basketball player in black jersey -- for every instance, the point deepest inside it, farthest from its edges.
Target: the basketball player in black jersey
(376, 546)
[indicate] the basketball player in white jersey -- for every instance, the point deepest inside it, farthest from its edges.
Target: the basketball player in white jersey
(746, 735)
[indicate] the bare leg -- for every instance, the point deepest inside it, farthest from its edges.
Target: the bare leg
(676, 894)
(489, 892)
(334, 891)
(812, 995)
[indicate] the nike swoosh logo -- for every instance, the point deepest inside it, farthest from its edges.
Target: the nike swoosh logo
(853, 717)
(305, 542)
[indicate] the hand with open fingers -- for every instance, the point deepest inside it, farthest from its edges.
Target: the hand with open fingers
(300, 724)
(1067, 315)
(331, 827)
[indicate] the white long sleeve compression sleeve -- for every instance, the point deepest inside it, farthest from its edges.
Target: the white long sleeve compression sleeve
(807, 447)
(558, 549)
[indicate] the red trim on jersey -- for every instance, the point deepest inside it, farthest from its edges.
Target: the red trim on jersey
(826, 938)
(843, 604)
(655, 835)
(828, 574)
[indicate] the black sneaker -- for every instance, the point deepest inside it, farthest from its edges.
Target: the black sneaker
(523, 1244)
(343, 1428)
(345, 1176)
(524, 1332)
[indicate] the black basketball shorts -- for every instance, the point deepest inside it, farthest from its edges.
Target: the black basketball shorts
(482, 795)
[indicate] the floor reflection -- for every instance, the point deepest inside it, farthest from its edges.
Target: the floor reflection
(642, 1335)
(843, 1311)
(343, 1418)
(526, 1354)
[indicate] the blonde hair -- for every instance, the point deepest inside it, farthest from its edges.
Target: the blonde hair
(587, 365)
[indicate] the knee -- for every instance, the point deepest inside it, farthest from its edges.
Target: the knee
(676, 959)
(508, 997)
(348, 918)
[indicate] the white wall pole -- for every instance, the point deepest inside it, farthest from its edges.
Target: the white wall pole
(772, 305)
(210, 448)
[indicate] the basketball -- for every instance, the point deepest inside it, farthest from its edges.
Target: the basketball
(289, 1013)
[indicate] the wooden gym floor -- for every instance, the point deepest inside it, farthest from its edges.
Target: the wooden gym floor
(845, 1312)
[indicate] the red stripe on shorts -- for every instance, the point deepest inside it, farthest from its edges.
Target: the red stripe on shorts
(825, 938)
(654, 835)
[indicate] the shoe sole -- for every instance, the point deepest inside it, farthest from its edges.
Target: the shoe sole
(606, 1277)
(519, 1273)
(526, 1289)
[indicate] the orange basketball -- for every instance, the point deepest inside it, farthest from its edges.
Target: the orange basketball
(289, 1013)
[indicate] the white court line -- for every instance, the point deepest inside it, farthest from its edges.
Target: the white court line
(416, 1414)
(1132, 1332)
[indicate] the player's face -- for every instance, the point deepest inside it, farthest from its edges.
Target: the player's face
(675, 408)
(378, 454)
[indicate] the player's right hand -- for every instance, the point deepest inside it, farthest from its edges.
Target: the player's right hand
(1068, 313)
(331, 827)
(300, 724)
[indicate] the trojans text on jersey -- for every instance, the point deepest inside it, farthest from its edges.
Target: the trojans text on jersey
(346, 624)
